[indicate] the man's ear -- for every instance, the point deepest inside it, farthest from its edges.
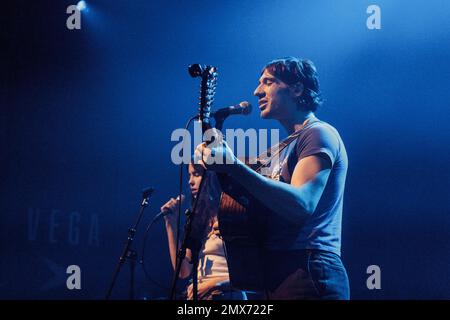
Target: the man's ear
(296, 89)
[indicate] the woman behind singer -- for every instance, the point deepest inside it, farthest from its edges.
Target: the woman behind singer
(212, 272)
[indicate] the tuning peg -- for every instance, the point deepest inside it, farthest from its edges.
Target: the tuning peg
(195, 70)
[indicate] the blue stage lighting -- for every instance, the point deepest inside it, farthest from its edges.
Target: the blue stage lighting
(81, 5)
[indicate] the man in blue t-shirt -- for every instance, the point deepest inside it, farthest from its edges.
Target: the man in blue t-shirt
(306, 187)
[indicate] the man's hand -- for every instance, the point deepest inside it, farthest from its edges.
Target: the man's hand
(217, 157)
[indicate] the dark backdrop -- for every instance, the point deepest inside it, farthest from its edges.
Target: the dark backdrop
(86, 118)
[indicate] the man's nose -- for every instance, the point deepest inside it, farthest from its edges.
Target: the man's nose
(258, 92)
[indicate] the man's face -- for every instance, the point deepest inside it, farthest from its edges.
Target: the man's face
(276, 98)
(195, 177)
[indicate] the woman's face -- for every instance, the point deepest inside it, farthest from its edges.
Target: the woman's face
(195, 177)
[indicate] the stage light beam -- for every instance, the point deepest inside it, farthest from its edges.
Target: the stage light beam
(81, 5)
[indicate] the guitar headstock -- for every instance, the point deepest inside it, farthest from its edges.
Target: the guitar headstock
(208, 75)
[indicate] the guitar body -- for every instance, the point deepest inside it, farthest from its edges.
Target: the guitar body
(242, 224)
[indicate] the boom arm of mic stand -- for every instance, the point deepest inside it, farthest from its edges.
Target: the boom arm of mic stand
(219, 122)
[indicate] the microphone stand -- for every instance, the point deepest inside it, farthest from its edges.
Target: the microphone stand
(219, 119)
(191, 243)
(128, 254)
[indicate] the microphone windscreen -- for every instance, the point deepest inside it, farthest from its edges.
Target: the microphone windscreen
(182, 198)
(246, 106)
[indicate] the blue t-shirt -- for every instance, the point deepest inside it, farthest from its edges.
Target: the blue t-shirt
(321, 230)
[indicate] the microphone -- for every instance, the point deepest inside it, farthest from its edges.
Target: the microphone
(167, 212)
(243, 108)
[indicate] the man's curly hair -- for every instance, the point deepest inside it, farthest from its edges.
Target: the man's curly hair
(292, 70)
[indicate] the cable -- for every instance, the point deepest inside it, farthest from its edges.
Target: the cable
(142, 261)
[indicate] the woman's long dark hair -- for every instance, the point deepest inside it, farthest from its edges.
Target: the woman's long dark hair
(208, 202)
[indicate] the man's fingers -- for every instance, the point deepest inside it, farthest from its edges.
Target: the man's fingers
(198, 157)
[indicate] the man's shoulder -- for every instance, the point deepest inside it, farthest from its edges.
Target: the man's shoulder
(322, 130)
(321, 137)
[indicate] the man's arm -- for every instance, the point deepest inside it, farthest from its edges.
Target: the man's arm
(295, 201)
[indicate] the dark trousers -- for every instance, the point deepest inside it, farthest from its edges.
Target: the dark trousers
(311, 274)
